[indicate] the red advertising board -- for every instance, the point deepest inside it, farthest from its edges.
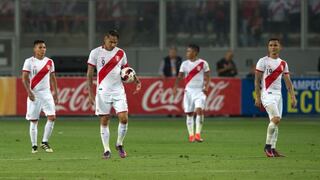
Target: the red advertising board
(155, 97)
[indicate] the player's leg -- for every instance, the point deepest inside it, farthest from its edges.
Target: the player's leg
(274, 116)
(33, 113)
(48, 107)
(189, 111)
(121, 108)
(276, 132)
(103, 108)
(105, 135)
(33, 131)
(199, 105)
(122, 131)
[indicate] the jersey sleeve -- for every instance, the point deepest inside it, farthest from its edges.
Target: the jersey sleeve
(286, 68)
(206, 66)
(260, 66)
(182, 69)
(92, 61)
(124, 62)
(52, 70)
(26, 66)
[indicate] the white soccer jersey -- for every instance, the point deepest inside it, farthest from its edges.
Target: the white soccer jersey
(272, 70)
(39, 73)
(108, 64)
(194, 74)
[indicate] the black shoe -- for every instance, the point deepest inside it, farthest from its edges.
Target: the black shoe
(45, 146)
(34, 149)
(106, 155)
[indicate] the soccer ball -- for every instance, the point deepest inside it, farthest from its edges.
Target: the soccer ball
(127, 75)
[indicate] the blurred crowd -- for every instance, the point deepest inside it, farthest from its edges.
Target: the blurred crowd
(209, 17)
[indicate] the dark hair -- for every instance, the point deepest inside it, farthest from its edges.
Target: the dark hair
(194, 47)
(113, 33)
(274, 39)
(38, 42)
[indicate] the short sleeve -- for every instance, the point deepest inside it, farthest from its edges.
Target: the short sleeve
(92, 61)
(182, 69)
(124, 61)
(260, 66)
(206, 66)
(26, 66)
(52, 70)
(286, 68)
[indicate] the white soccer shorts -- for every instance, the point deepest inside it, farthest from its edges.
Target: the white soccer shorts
(273, 104)
(193, 100)
(44, 102)
(104, 103)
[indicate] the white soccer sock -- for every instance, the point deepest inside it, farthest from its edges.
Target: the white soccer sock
(274, 138)
(270, 132)
(199, 123)
(33, 133)
(47, 131)
(190, 125)
(105, 134)
(122, 131)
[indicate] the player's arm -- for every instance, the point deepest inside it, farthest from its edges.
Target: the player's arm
(26, 84)
(90, 72)
(257, 82)
(138, 84)
(206, 82)
(53, 81)
(178, 79)
(290, 89)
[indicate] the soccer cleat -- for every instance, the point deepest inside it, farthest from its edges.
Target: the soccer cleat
(106, 155)
(198, 138)
(277, 154)
(45, 146)
(121, 151)
(268, 152)
(34, 149)
(191, 138)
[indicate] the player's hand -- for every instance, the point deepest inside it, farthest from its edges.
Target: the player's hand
(258, 103)
(206, 91)
(293, 102)
(138, 88)
(91, 100)
(55, 98)
(174, 91)
(31, 96)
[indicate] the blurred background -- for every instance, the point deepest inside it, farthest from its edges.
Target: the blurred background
(72, 28)
(153, 32)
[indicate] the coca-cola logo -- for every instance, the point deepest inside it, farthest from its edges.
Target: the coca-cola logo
(158, 97)
(74, 99)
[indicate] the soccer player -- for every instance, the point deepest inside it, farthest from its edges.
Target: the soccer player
(108, 59)
(37, 75)
(197, 76)
(269, 71)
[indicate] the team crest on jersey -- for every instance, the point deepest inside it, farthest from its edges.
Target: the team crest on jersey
(48, 67)
(198, 68)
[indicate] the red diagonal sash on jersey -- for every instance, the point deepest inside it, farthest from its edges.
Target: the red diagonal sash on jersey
(194, 72)
(105, 70)
(275, 74)
(40, 75)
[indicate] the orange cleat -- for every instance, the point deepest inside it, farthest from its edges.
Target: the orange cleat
(198, 138)
(191, 138)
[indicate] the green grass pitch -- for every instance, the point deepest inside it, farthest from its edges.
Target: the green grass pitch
(158, 149)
